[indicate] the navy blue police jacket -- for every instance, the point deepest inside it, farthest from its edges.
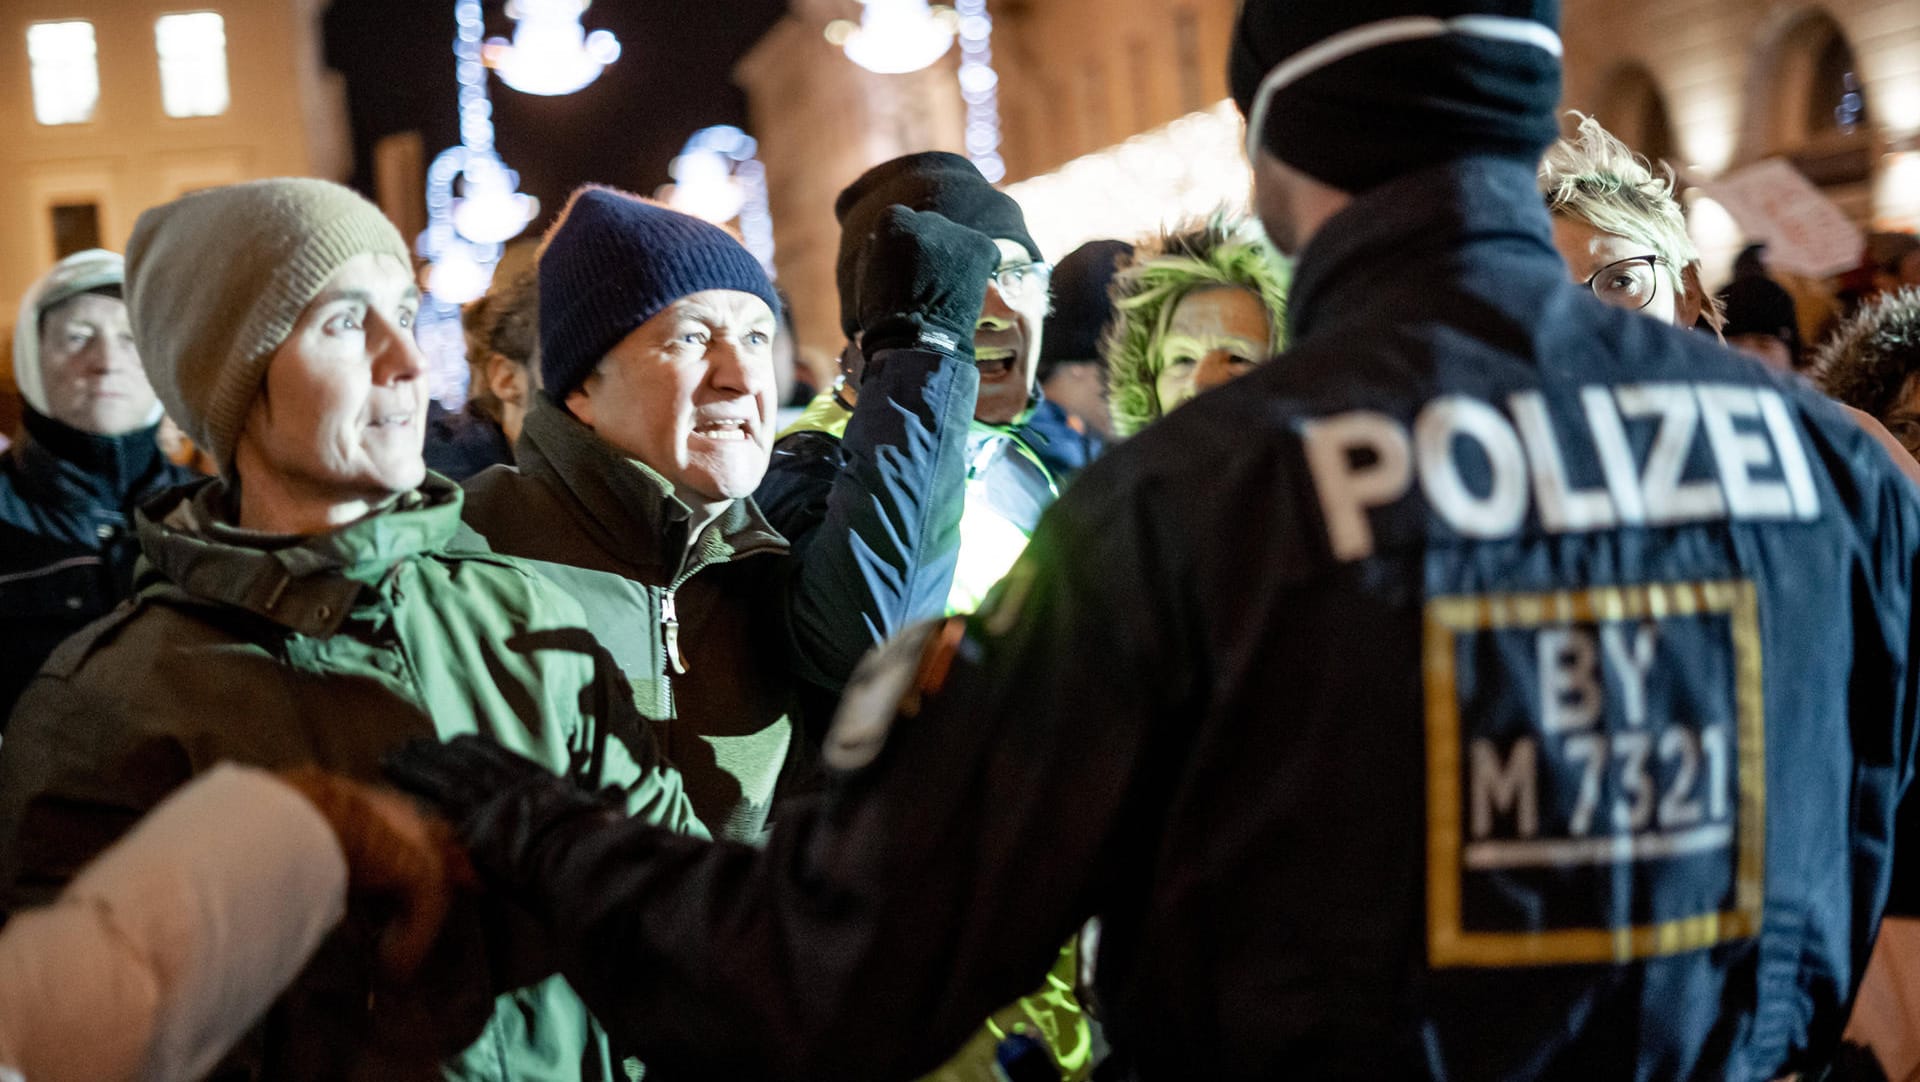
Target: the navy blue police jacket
(1497, 686)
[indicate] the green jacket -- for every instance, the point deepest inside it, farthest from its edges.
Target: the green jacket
(334, 650)
(695, 629)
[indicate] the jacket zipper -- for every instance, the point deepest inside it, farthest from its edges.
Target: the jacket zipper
(670, 630)
(669, 611)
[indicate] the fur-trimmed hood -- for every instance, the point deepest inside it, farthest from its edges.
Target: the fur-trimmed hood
(1224, 250)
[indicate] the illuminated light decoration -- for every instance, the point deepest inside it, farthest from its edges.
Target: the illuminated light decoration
(1716, 236)
(980, 89)
(461, 275)
(464, 234)
(1157, 179)
(193, 63)
(718, 178)
(551, 53)
(66, 71)
(490, 211)
(1898, 206)
(894, 37)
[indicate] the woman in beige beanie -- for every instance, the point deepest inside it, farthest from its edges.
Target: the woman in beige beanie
(305, 607)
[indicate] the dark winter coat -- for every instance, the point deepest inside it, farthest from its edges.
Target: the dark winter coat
(331, 650)
(724, 638)
(1062, 448)
(67, 546)
(1505, 687)
(459, 445)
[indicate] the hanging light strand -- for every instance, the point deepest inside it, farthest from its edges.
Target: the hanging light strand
(980, 89)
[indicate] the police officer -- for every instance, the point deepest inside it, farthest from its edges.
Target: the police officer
(1506, 686)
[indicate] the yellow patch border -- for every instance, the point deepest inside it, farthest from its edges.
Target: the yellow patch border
(1448, 944)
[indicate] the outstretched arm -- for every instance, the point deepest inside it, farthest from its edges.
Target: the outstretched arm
(933, 884)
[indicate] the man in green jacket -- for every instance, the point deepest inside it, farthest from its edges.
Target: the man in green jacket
(305, 607)
(635, 473)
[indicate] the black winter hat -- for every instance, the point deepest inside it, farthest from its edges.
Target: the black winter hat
(933, 180)
(1761, 306)
(1357, 94)
(1081, 306)
(611, 262)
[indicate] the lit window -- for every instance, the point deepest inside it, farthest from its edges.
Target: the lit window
(66, 72)
(193, 63)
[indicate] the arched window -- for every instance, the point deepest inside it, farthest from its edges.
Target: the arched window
(1835, 100)
(1819, 108)
(1636, 113)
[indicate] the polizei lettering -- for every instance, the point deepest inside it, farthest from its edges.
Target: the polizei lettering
(1482, 469)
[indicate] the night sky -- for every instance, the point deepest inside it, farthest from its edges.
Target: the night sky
(674, 76)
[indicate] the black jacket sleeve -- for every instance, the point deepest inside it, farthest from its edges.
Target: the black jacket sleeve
(876, 539)
(879, 925)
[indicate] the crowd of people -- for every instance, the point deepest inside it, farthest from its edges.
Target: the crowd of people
(1417, 630)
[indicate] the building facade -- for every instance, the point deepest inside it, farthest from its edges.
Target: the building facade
(1705, 85)
(1710, 86)
(108, 107)
(1077, 79)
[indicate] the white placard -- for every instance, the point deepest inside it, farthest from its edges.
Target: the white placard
(1803, 231)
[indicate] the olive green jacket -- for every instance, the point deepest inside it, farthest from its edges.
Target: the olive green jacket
(334, 650)
(698, 629)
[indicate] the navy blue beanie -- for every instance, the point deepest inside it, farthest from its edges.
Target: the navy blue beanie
(611, 262)
(1365, 92)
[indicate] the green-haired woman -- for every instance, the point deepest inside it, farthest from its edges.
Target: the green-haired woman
(1194, 309)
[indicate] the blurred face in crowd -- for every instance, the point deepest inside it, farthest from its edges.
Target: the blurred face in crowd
(1768, 349)
(512, 383)
(786, 365)
(1006, 341)
(339, 420)
(90, 369)
(1213, 336)
(1621, 271)
(690, 394)
(1080, 388)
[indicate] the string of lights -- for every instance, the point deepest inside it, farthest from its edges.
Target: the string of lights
(466, 233)
(980, 89)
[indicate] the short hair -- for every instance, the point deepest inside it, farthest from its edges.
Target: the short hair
(1596, 178)
(1868, 360)
(1223, 250)
(506, 321)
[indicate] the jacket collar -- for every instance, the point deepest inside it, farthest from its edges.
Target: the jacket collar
(59, 464)
(306, 584)
(628, 508)
(1403, 227)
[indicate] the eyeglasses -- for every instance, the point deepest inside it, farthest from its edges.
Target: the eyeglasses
(1629, 284)
(1024, 281)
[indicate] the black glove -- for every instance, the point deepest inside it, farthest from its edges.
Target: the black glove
(501, 804)
(921, 282)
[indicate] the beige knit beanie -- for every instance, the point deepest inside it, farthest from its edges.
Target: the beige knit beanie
(217, 279)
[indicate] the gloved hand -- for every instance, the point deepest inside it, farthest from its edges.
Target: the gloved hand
(394, 852)
(921, 281)
(501, 804)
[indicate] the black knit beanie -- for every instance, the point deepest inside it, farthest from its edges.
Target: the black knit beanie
(1372, 90)
(1081, 306)
(611, 262)
(934, 180)
(1761, 306)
